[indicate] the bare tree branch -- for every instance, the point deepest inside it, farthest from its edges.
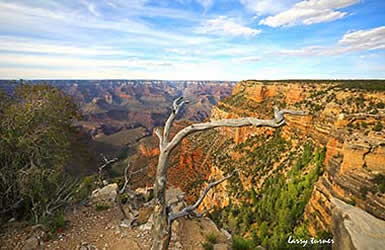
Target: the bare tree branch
(159, 134)
(279, 114)
(125, 178)
(190, 209)
(162, 216)
(176, 107)
(278, 121)
(106, 163)
(13, 206)
(104, 157)
(131, 194)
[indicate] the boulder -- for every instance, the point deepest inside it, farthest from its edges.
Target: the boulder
(146, 193)
(31, 243)
(144, 214)
(227, 234)
(221, 246)
(355, 229)
(105, 196)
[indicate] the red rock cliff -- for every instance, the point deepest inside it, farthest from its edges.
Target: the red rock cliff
(341, 120)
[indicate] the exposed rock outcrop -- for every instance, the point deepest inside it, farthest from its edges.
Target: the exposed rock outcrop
(339, 119)
(355, 229)
(105, 196)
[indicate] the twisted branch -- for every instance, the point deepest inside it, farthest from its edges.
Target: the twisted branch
(176, 107)
(106, 164)
(190, 209)
(278, 121)
(132, 195)
(163, 218)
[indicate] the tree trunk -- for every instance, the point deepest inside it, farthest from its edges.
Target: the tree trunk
(162, 220)
(161, 235)
(160, 230)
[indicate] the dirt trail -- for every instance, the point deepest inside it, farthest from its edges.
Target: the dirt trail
(90, 229)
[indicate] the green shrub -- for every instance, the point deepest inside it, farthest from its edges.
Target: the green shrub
(379, 181)
(373, 112)
(381, 187)
(364, 191)
(54, 223)
(242, 244)
(85, 188)
(371, 85)
(212, 238)
(277, 208)
(351, 202)
(207, 246)
(38, 143)
(101, 207)
(380, 105)
(378, 126)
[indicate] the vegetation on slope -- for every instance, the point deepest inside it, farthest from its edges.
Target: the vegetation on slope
(38, 144)
(270, 215)
(369, 85)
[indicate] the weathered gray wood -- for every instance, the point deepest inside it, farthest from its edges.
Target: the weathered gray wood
(162, 219)
(128, 173)
(102, 167)
(190, 209)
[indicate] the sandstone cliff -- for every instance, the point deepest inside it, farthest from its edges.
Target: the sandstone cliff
(348, 122)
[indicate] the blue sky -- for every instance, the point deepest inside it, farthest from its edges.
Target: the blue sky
(192, 39)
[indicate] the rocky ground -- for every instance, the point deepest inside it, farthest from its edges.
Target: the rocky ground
(89, 229)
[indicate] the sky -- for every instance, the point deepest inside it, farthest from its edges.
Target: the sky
(192, 39)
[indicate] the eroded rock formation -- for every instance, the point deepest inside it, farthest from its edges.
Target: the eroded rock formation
(341, 120)
(355, 229)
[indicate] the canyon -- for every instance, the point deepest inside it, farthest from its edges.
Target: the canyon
(345, 121)
(304, 179)
(109, 106)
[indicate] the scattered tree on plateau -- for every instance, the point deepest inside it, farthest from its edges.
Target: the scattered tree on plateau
(162, 217)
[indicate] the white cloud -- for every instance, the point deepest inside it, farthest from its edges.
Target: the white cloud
(355, 41)
(30, 11)
(111, 4)
(16, 44)
(262, 7)
(68, 24)
(247, 59)
(184, 51)
(206, 4)
(226, 26)
(203, 70)
(309, 12)
(365, 39)
(91, 8)
(178, 51)
(76, 62)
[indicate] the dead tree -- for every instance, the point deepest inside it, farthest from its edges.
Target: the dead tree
(190, 210)
(162, 219)
(131, 195)
(103, 166)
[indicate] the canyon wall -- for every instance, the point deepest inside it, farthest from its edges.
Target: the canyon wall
(347, 122)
